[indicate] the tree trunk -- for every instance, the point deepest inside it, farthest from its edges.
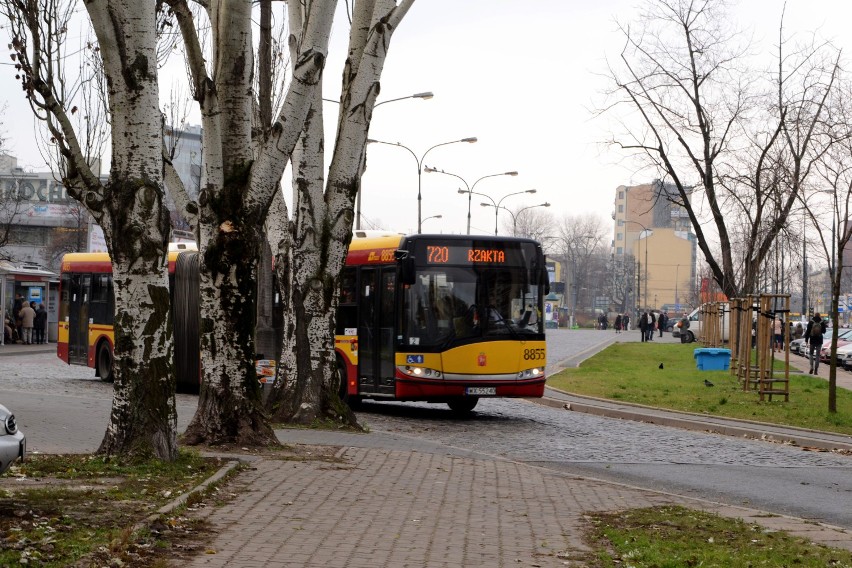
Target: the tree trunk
(309, 272)
(230, 410)
(143, 420)
(135, 221)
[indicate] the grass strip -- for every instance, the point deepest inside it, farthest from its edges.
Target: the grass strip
(674, 537)
(630, 372)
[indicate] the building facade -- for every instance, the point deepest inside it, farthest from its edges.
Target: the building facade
(650, 225)
(43, 221)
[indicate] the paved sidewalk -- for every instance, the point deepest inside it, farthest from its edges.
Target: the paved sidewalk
(395, 501)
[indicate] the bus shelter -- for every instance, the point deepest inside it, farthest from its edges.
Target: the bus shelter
(34, 284)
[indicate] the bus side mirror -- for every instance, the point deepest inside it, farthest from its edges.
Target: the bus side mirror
(406, 266)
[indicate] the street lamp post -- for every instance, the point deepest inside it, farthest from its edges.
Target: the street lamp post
(419, 161)
(470, 188)
(432, 217)
(646, 231)
(677, 303)
(496, 204)
(424, 96)
(515, 215)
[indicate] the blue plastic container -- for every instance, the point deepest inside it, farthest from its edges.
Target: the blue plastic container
(712, 359)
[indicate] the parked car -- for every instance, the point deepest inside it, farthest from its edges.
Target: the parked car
(13, 444)
(843, 352)
(844, 337)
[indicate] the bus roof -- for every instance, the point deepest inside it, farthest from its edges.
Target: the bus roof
(374, 249)
(100, 262)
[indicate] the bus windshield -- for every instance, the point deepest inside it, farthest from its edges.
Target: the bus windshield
(452, 303)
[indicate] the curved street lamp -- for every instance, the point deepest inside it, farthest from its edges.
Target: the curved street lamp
(497, 204)
(425, 96)
(470, 188)
(517, 214)
(419, 161)
(433, 217)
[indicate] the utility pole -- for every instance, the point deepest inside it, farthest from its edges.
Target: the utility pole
(638, 285)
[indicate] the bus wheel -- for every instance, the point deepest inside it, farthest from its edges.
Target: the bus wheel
(462, 405)
(342, 390)
(104, 362)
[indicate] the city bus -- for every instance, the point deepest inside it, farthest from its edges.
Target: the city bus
(441, 318)
(87, 307)
(436, 318)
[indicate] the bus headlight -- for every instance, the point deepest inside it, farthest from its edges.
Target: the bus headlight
(530, 373)
(424, 372)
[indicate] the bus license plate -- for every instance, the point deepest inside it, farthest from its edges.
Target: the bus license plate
(480, 391)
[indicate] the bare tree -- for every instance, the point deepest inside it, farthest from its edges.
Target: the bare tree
(835, 170)
(242, 169)
(532, 222)
(578, 245)
(69, 238)
(129, 206)
(311, 240)
(704, 117)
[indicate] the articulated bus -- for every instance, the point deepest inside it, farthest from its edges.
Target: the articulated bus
(87, 306)
(442, 318)
(437, 318)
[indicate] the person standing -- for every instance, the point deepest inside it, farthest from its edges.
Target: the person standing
(625, 321)
(652, 325)
(684, 325)
(16, 313)
(662, 322)
(643, 326)
(40, 324)
(618, 323)
(813, 335)
(777, 330)
(27, 320)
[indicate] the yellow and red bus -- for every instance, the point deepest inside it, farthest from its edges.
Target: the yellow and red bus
(442, 318)
(87, 308)
(437, 318)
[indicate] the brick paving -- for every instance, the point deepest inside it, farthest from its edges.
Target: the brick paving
(425, 508)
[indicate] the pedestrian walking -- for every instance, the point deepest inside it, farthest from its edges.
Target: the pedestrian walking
(27, 320)
(618, 323)
(625, 322)
(813, 335)
(662, 322)
(40, 324)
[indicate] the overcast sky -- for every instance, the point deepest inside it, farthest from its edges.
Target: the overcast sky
(522, 77)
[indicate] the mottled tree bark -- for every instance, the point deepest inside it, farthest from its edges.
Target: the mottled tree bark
(129, 206)
(311, 258)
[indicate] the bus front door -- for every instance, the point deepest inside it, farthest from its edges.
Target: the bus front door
(376, 331)
(80, 286)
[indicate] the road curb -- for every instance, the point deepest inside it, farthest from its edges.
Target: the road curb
(181, 499)
(697, 423)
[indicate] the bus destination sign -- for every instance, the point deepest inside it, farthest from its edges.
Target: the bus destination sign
(444, 254)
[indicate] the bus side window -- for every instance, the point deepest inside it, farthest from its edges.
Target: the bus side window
(347, 286)
(347, 310)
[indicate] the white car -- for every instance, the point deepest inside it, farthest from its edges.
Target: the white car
(13, 444)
